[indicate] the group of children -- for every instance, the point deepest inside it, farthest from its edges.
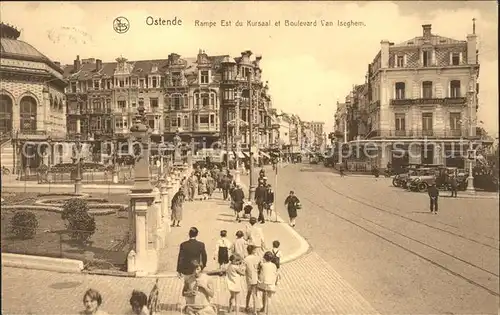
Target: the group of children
(240, 260)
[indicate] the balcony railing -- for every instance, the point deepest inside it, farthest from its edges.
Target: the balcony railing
(429, 101)
(418, 133)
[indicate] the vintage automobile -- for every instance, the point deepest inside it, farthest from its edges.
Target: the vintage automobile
(421, 183)
(423, 171)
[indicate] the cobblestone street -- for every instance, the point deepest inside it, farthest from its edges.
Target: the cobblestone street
(385, 243)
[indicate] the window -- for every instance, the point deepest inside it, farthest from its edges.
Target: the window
(204, 77)
(400, 90)
(96, 85)
(141, 83)
(245, 72)
(154, 81)
(197, 99)
(176, 79)
(243, 115)
(455, 119)
(400, 60)
(228, 94)
(228, 74)
(427, 122)
(427, 89)
(151, 123)
(185, 122)
(176, 102)
(426, 58)
(122, 83)
(122, 104)
(153, 102)
(173, 122)
(185, 102)
(108, 83)
(134, 82)
(212, 119)
(455, 89)
(455, 59)
(204, 119)
(400, 121)
(205, 101)
(73, 87)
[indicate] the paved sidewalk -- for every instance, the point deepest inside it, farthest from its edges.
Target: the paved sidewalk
(212, 216)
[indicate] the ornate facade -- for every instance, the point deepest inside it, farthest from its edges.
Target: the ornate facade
(423, 89)
(32, 99)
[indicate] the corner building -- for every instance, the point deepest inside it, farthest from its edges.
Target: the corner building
(423, 90)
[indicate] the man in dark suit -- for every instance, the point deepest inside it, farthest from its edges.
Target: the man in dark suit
(189, 251)
(433, 197)
(260, 200)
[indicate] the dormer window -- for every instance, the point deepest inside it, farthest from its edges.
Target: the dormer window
(228, 74)
(96, 85)
(154, 81)
(141, 83)
(426, 58)
(134, 82)
(154, 68)
(176, 79)
(204, 77)
(400, 61)
(73, 87)
(455, 58)
(122, 83)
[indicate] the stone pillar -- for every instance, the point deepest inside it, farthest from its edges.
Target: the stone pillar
(141, 241)
(131, 219)
(165, 205)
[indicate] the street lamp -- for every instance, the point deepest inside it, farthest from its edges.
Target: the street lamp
(237, 136)
(78, 159)
(141, 132)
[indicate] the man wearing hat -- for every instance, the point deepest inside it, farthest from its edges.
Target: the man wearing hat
(433, 197)
(260, 200)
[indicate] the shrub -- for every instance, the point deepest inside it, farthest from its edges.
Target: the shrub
(24, 224)
(78, 220)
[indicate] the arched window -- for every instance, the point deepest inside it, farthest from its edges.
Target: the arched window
(185, 122)
(5, 114)
(28, 114)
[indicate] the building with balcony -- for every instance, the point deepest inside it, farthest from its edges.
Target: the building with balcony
(32, 100)
(237, 88)
(422, 92)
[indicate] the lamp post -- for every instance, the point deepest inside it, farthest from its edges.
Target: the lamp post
(251, 192)
(237, 136)
(78, 178)
(471, 95)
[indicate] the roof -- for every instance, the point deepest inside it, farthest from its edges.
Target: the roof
(434, 40)
(140, 68)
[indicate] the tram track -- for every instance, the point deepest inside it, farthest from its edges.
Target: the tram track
(486, 273)
(370, 203)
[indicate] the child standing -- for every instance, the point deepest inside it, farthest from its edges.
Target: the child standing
(268, 275)
(222, 249)
(240, 245)
(277, 254)
(251, 262)
(233, 279)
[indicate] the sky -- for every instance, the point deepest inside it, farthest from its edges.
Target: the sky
(308, 68)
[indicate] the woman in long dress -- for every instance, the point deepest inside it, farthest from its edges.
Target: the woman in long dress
(177, 203)
(292, 203)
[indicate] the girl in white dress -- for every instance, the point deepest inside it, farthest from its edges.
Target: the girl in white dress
(234, 272)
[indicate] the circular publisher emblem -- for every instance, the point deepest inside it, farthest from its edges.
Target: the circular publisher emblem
(121, 25)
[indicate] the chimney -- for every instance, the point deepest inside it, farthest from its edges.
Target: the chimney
(98, 65)
(427, 30)
(77, 64)
(472, 49)
(384, 54)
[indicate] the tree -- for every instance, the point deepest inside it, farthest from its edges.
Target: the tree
(78, 221)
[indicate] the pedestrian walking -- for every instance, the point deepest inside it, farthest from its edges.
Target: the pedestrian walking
(211, 185)
(234, 272)
(198, 290)
(222, 248)
(293, 204)
(260, 200)
(453, 186)
(238, 197)
(433, 197)
(139, 302)
(255, 236)
(225, 186)
(269, 201)
(202, 187)
(92, 301)
(239, 246)
(251, 263)
(177, 205)
(192, 186)
(268, 274)
(220, 176)
(341, 170)
(190, 251)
